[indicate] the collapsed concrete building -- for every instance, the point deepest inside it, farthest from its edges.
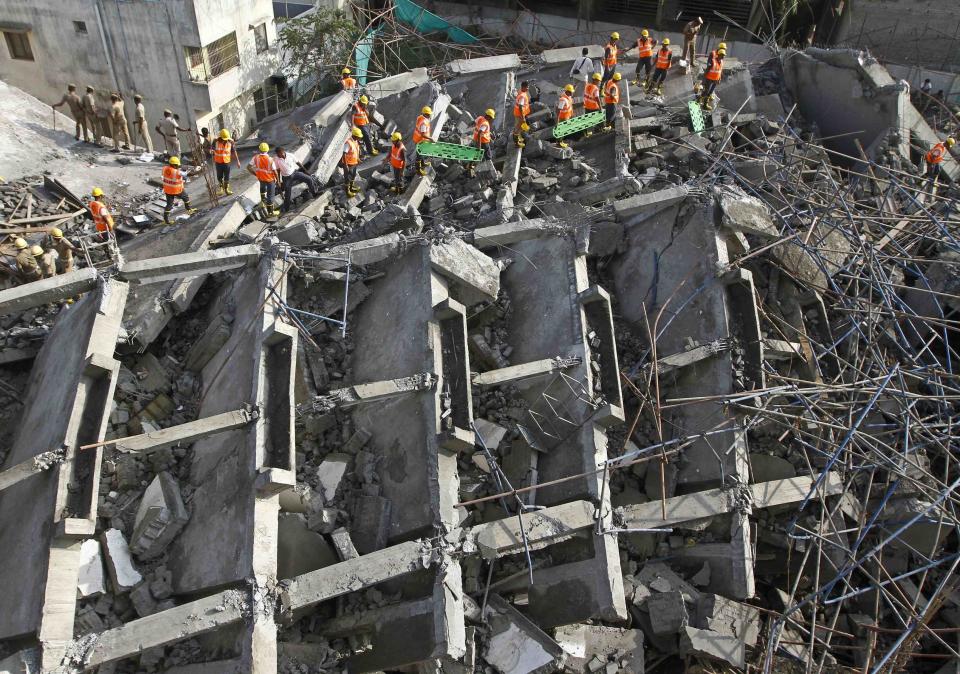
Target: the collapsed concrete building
(668, 398)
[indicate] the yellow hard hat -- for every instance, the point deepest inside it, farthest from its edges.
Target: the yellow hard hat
(263, 147)
(357, 133)
(951, 142)
(722, 52)
(722, 45)
(97, 192)
(174, 161)
(224, 134)
(364, 99)
(426, 110)
(644, 33)
(617, 77)
(36, 250)
(569, 89)
(666, 42)
(20, 243)
(345, 71)
(597, 76)
(524, 127)
(395, 136)
(614, 35)
(490, 112)
(56, 233)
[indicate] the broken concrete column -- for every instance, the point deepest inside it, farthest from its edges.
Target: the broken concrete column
(123, 573)
(595, 193)
(160, 517)
(54, 289)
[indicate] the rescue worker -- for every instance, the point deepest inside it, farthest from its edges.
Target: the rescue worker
(173, 181)
(264, 169)
(421, 134)
(26, 262)
(75, 104)
(64, 249)
(611, 99)
(346, 81)
(90, 114)
(361, 120)
(397, 161)
(224, 151)
(102, 217)
(521, 109)
(140, 123)
(565, 107)
(645, 45)
(935, 158)
(690, 32)
(711, 76)
(483, 135)
(351, 157)
(168, 128)
(118, 123)
(664, 61)
(610, 56)
(45, 263)
(591, 98)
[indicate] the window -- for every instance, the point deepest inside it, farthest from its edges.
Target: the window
(80, 27)
(195, 65)
(260, 36)
(205, 63)
(18, 44)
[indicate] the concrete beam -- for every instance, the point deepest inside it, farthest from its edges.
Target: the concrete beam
(477, 274)
(166, 627)
(570, 54)
(332, 152)
(510, 233)
(334, 109)
(484, 64)
(524, 371)
(201, 262)
(541, 527)
(609, 189)
(684, 359)
(30, 467)
(713, 502)
(395, 84)
(333, 581)
(377, 391)
(647, 204)
(510, 178)
(54, 289)
(185, 433)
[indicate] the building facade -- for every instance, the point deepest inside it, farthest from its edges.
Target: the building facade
(212, 62)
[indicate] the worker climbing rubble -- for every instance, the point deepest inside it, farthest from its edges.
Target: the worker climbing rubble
(712, 75)
(645, 45)
(610, 56)
(611, 99)
(173, 188)
(565, 107)
(591, 98)
(397, 161)
(26, 262)
(664, 61)
(224, 152)
(483, 136)
(421, 134)
(346, 80)
(935, 157)
(349, 161)
(361, 120)
(64, 248)
(521, 110)
(102, 217)
(264, 169)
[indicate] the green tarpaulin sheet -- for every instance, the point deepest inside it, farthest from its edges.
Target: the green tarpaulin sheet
(361, 55)
(423, 21)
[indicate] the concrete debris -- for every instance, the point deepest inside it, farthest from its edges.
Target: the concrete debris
(124, 575)
(160, 517)
(92, 579)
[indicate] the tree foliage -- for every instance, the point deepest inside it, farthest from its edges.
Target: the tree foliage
(317, 43)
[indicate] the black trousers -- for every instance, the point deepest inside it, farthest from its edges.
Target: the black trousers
(170, 200)
(397, 176)
(349, 173)
(708, 88)
(608, 72)
(296, 178)
(367, 141)
(611, 110)
(223, 173)
(646, 63)
(659, 75)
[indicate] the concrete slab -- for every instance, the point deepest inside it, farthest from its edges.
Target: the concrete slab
(55, 289)
(484, 64)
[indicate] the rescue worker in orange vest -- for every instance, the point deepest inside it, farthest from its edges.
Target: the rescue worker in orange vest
(421, 134)
(224, 151)
(173, 181)
(351, 157)
(346, 81)
(102, 218)
(664, 61)
(483, 136)
(521, 109)
(591, 98)
(26, 263)
(610, 56)
(565, 107)
(398, 161)
(645, 45)
(935, 158)
(264, 169)
(611, 99)
(361, 120)
(711, 76)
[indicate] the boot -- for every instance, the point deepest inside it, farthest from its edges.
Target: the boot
(226, 188)
(374, 152)
(166, 218)
(394, 189)
(191, 211)
(660, 91)
(646, 84)
(220, 189)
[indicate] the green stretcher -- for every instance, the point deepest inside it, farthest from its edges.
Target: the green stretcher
(578, 124)
(697, 120)
(449, 151)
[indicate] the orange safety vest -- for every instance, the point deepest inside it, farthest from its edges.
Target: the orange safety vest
(664, 59)
(421, 131)
(521, 106)
(564, 107)
(715, 68)
(348, 82)
(481, 132)
(591, 97)
(360, 117)
(611, 92)
(102, 219)
(644, 47)
(351, 152)
(610, 57)
(937, 153)
(222, 150)
(397, 158)
(265, 168)
(172, 180)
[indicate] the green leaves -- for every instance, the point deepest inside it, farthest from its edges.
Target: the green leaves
(318, 43)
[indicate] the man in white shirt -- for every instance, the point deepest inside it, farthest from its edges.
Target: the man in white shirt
(582, 68)
(292, 173)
